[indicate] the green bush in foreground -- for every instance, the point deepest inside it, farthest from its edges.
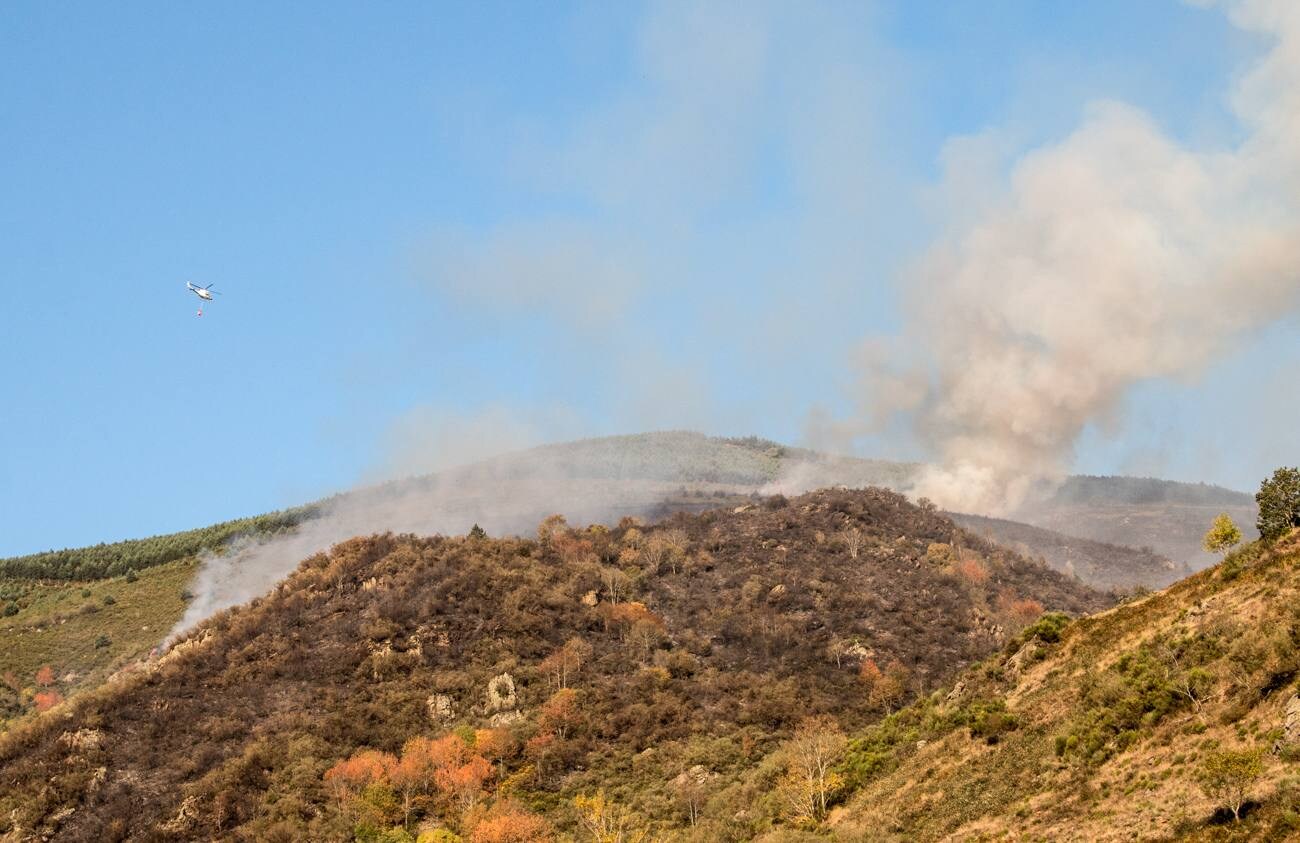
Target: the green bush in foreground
(1279, 504)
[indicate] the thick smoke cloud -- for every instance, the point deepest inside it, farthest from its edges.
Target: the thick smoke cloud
(1115, 256)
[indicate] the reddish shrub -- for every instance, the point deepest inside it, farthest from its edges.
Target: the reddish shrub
(45, 700)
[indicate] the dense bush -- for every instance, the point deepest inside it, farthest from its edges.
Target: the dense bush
(1047, 628)
(881, 747)
(1121, 704)
(1279, 503)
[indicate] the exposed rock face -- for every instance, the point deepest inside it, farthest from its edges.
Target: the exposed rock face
(184, 817)
(82, 740)
(1024, 656)
(697, 775)
(441, 708)
(1292, 722)
(501, 693)
(590, 598)
(505, 718)
(860, 651)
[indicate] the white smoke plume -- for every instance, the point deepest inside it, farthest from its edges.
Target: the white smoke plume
(1115, 256)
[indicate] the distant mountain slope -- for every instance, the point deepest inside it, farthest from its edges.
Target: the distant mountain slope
(1111, 732)
(1090, 489)
(702, 640)
(1098, 564)
(102, 561)
(1171, 528)
(81, 632)
(600, 480)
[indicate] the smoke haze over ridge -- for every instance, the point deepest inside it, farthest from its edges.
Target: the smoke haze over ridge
(589, 481)
(1112, 257)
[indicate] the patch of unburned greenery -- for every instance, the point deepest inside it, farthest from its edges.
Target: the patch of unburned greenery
(120, 558)
(1118, 706)
(80, 632)
(1047, 629)
(883, 746)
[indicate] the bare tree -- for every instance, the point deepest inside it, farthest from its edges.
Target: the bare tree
(852, 538)
(616, 583)
(810, 778)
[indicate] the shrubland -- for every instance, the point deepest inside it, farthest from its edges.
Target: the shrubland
(1175, 715)
(81, 632)
(708, 677)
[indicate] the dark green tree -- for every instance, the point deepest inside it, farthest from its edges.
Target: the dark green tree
(1279, 503)
(477, 532)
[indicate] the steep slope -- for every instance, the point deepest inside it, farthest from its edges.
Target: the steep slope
(1110, 728)
(103, 561)
(703, 639)
(597, 480)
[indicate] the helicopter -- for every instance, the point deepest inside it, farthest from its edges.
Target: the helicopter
(204, 293)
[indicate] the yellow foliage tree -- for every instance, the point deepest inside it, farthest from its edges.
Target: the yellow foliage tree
(809, 780)
(606, 821)
(1223, 535)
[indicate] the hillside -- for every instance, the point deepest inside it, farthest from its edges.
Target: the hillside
(1099, 564)
(85, 629)
(103, 561)
(598, 480)
(1167, 517)
(621, 665)
(1109, 725)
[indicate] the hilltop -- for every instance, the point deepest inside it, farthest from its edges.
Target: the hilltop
(1142, 512)
(632, 660)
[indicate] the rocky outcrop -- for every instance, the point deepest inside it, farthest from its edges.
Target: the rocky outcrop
(442, 709)
(501, 693)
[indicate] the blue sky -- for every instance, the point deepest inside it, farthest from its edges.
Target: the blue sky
(377, 190)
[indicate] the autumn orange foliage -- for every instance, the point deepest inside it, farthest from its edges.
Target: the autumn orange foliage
(565, 662)
(447, 766)
(493, 744)
(973, 571)
(1019, 611)
(514, 825)
(885, 688)
(561, 712)
(45, 700)
(351, 775)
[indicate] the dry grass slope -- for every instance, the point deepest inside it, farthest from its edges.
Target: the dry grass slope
(82, 631)
(1113, 728)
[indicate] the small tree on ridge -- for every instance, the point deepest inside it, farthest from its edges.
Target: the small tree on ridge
(1223, 536)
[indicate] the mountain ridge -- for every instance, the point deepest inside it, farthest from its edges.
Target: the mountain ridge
(673, 458)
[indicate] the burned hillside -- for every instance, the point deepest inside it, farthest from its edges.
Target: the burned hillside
(731, 625)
